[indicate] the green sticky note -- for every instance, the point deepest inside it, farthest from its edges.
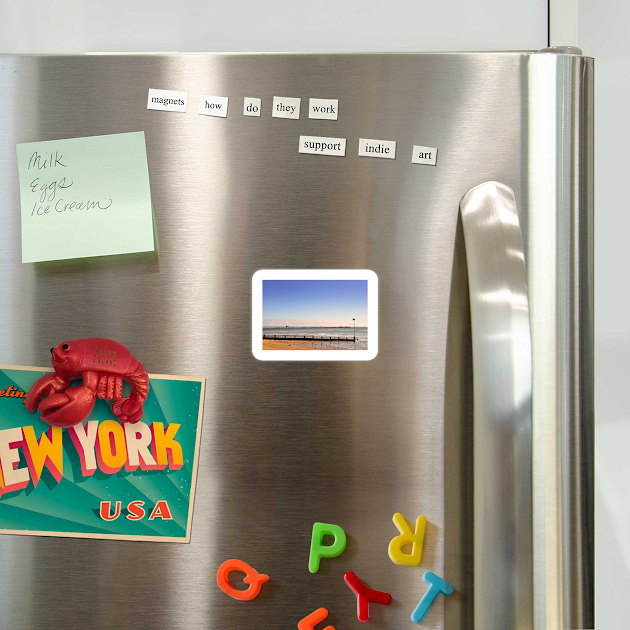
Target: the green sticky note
(85, 197)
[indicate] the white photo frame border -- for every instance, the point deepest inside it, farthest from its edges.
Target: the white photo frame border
(314, 355)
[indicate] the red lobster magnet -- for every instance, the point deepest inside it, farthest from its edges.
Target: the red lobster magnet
(102, 364)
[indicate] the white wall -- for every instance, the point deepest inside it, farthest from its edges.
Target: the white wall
(603, 28)
(281, 25)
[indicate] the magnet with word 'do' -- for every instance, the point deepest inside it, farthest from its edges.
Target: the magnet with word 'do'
(252, 577)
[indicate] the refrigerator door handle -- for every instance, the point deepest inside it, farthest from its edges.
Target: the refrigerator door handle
(502, 374)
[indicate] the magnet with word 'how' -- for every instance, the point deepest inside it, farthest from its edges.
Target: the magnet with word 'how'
(436, 586)
(407, 537)
(365, 595)
(252, 577)
(319, 550)
(309, 623)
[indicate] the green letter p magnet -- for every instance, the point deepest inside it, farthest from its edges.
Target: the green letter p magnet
(319, 551)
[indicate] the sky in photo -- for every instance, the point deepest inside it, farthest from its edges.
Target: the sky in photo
(314, 302)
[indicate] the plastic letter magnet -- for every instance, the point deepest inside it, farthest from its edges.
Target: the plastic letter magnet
(319, 551)
(407, 537)
(436, 586)
(365, 596)
(252, 577)
(308, 623)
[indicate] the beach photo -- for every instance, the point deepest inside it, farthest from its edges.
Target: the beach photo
(314, 315)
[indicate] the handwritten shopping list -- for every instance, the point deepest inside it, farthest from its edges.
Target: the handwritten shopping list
(85, 197)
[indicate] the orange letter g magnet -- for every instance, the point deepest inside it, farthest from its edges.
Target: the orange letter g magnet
(252, 577)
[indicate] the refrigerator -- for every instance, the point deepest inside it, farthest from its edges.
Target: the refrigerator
(477, 409)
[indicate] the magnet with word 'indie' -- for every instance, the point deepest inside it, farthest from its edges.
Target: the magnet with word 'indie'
(309, 623)
(252, 577)
(102, 364)
(407, 537)
(436, 586)
(319, 550)
(365, 595)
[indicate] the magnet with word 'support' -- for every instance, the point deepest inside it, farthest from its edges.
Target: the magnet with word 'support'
(319, 551)
(252, 577)
(309, 622)
(407, 537)
(365, 595)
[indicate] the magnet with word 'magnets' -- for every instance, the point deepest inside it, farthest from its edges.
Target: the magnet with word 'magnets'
(309, 623)
(252, 577)
(407, 537)
(319, 550)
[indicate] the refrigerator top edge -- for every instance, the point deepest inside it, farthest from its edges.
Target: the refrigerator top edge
(543, 51)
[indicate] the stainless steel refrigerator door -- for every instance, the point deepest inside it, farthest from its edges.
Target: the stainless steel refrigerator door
(288, 444)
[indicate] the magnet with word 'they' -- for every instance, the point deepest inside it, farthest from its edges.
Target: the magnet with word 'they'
(252, 577)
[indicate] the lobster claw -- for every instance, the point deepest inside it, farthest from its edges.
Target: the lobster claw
(127, 410)
(43, 386)
(68, 408)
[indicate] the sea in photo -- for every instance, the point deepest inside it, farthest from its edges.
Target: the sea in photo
(323, 338)
(315, 315)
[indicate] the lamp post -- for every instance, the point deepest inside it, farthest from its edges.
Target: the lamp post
(355, 329)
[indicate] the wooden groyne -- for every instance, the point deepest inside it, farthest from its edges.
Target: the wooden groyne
(308, 338)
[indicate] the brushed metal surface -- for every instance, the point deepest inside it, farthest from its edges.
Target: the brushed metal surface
(502, 371)
(284, 444)
(560, 274)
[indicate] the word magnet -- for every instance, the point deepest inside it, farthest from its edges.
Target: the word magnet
(322, 146)
(213, 105)
(285, 107)
(252, 577)
(407, 537)
(323, 108)
(251, 106)
(377, 148)
(167, 100)
(365, 596)
(424, 155)
(319, 550)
